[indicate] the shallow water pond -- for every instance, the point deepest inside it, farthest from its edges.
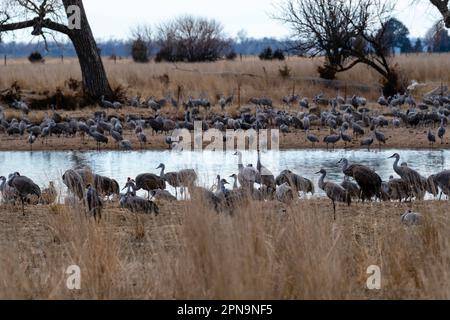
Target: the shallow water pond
(43, 167)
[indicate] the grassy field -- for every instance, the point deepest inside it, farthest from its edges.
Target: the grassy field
(255, 77)
(266, 251)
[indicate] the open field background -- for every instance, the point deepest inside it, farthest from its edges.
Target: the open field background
(256, 77)
(266, 251)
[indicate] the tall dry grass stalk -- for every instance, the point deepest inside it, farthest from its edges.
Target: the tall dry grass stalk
(223, 77)
(190, 252)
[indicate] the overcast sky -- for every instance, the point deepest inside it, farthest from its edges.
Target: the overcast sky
(114, 18)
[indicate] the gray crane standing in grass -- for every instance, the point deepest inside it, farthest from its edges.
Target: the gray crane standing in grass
(94, 203)
(368, 180)
(442, 180)
(441, 131)
(98, 137)
(25, 187)
(149, 182)
(412, 177)
(431, 137)
(334, 192)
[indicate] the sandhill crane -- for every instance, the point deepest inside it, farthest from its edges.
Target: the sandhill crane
(357, 129)
(125, 145)
(106, 104)
(247, 176)
(106, 186)
(74, 183)
(9, 194)
(116, 136)
(187, 179)
(382, 101)
(312, 138)
(285, 194)
(94, 203)
(31, 140)
(352, 188)
(142, 139)
(304, 103)
(265, 177)
(346, 138)
(138, 205)
(412, 177)
(367, 142)
(411, 218)
(368, 180)
(48, 195)
(86, 174)
(163, 195)
(24, 187)
(149, 182)
(441, 131)
(431, 138)
(296, 182)
(442, 180)
(380, 137)
(398, 189)
(235, 183)
(170, 177)
(228, 200)
(98, 137)
(332, 139)
(334, 192)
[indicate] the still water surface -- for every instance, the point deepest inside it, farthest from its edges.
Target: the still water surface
(43, 167)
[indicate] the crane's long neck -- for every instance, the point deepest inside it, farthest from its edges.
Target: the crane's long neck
(259, 165)
(163, 168)
(396, 167)
(322, 180)
(345, 167)
(2, 185)
(235, 185)
(222, 187)
(240, 164)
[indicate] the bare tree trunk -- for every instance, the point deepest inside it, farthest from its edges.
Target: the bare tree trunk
(443, 8)
(92, 69)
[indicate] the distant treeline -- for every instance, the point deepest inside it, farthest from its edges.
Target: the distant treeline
(121, 48)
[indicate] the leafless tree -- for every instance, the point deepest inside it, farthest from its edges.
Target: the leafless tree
(345, 32)
(191, 39)
(67, 17)
(442, 6)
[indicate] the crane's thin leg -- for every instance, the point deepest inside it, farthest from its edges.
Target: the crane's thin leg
(23, 206)
(334, 211)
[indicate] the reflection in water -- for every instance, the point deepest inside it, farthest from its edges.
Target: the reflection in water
(43, 167)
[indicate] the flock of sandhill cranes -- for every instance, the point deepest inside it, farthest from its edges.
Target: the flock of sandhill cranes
(360, 183)
(348, 120)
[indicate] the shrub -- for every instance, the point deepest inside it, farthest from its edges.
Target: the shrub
(327, 72)
(232, 55)
(35, 57)
(139, 51)
(191, 39)
(266, 54)
(278, 55)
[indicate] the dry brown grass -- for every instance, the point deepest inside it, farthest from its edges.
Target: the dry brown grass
(189, 252)
(211, 79)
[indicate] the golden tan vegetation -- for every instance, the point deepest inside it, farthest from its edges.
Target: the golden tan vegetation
(256, 77)
(189, 252)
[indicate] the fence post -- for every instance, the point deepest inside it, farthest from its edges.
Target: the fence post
(5, 59)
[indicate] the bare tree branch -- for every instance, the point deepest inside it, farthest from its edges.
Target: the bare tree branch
(442, 6)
